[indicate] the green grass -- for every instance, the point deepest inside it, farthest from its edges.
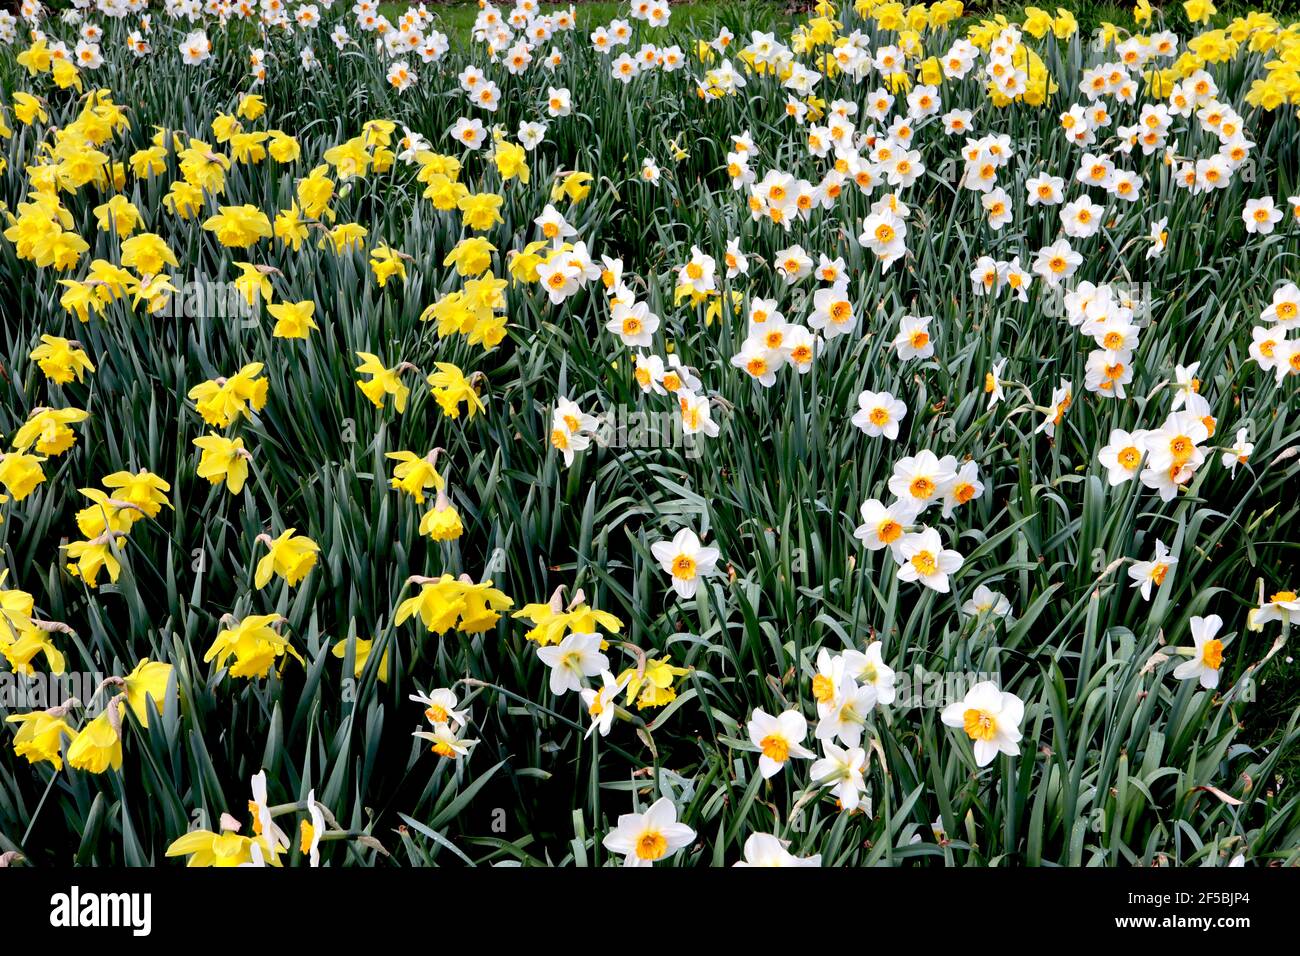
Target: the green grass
(691, 18)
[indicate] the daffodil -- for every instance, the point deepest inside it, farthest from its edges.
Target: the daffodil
(206, 848)
(47, 429)
(41, 734)
(442, 521)
(361, 653)
(61, 360)
(290, 556)
(142, 489)
(653, 686)
(254, 644)
(223, 460)
(98, 746)
(239, 226)
(451, 387)
(415, 474)
(293, 320)
(20, 473)
(645, 838)
(147, 683)
(90, 557)
(387, 262)
(383, 381)
(990, 718)
(445, 602)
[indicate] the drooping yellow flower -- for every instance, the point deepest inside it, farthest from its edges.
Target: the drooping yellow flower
(223, 459)
(253, 282)
(149, 162)
(239, 226)
(147, 681)
(37, 58)
(104, 514)
(145, 490)
(118, 214)
(361, 654)
(383, 381)
(147, 254)
(386, 263)
(92, 556)
(349, 159)
(293, 320)
(228, 848)
(254, 643)
(29, 109)
(283, 147)
(414, 474)
(451, 387)
(552, 621)
(33, 640)
(481, 211)
(511, 161)
(251, 106)
(40, 736)
(1064, 25)
(472, 256)
(654, 688)
(80, 299)
(222, 400)
(48, 430)
(290, 556)
(344, 237)
(290, 227)
(445, 602)
(61, 360)
(575, 187)
(184, 199)
(442, 521)
(315, 191)
(20, 473)
(16, 609)
(1199, 11)
(99, 744)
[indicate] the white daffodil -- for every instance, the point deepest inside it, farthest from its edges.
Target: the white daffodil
(1205, 658)
(779, 738)
(846, 714)
(879, 413)
(883, 527)
(643, 838)
(445, 743)
(1145, 574)
(440, 707)
(990, 718)
(600, 702)
(1279, 607)
(686, 559)
(841, 770)
(986, 601)
(1122, 455)
(263, 824)
(869, 669)
(312, 829)
(922, 557)
(571, 661)
(1239, 453)
(765, 849)
(922, 479)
